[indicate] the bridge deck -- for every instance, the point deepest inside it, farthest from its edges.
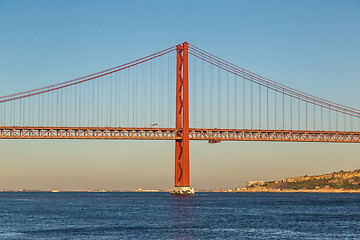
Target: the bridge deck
(212, 135)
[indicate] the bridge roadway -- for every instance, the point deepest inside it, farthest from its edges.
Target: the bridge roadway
(211, 135)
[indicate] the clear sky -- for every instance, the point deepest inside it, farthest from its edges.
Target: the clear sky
(312, 46)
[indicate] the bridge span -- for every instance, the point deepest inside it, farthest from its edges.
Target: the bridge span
(188, 94)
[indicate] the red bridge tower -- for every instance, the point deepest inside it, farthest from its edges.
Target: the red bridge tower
(182, 167)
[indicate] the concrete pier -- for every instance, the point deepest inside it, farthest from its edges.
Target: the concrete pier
(182, 191)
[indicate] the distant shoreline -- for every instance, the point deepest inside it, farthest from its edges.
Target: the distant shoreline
(302, 191)
(197, 191)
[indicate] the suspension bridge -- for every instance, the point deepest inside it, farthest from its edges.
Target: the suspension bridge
(181, 93)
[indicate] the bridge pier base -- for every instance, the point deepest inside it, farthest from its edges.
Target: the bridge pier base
(182, 191)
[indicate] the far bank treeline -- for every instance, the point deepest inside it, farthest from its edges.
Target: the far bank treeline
(336, 180)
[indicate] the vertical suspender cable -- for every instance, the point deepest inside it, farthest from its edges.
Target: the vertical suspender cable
(202, 94)
(121, 97)
(159, 88)
(267, 106)
(236, 99)
(306, 115)
(329, 119)
(283, 102)
(57, 107)
(10, 113)
(193, 81)
(163, 93)
(211, 95)
(38, 108)
(291, 114)
(122, 87)
(116, 123)
(98, 103)
(61, 107)
(314, 115)
(75, 113)
(259, 106)
(219, 98)
(251, 93)
(128, 99)
(227, 100)
(133, 96)
(20, 118)
(243, 103)
(24, 110)
(151, 87)
(65, 105)
(171, 82)
(52, 108)
(145, 93)
(322, 129)
(195, 91)
(336, 120)
(169, 88)
(275, 109)
(79, 105)
(299, 112)
(137, 108)
(141, 95)
(110, 99)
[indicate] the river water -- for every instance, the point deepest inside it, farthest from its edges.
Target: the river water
(164, 216)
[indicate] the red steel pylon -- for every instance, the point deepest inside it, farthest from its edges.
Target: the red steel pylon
(182, 168)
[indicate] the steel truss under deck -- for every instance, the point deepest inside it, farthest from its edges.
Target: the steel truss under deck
(212, 135)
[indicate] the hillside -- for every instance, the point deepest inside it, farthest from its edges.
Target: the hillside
(336, 180)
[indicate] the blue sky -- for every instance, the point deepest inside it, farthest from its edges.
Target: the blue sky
(313, 46)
